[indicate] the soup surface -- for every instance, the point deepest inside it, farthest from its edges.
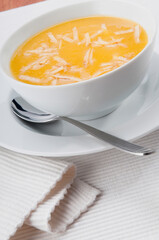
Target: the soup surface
(77, 50)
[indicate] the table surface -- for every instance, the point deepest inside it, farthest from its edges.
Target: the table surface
(9, 4)
(128, 208)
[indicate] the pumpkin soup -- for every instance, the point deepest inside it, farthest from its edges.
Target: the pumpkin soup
(77, 50)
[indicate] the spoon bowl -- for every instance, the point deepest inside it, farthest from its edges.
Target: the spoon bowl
(34, 116)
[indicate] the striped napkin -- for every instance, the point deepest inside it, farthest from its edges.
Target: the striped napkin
(39, 193)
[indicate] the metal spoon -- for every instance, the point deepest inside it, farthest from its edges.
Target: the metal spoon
(18, 108)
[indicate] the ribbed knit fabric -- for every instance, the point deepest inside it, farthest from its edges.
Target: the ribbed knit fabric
(41, 193)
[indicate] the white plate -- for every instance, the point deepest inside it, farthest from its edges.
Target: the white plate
(137, 116)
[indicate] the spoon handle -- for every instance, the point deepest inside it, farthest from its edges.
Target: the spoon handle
(114, 141)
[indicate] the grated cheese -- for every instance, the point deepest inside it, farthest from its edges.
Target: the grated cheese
(52, 37)
(25, 68)
(36, 65)
(122, 45)
(40, 63)
(54, 70)
(99, 72)
(129, 55)
(86, 58)
(116, 62)
(48, 54)
(108, 68)
(44, 45)
(67, 39)
(120, 58)
(87, 39)
(103, 26)
(85, 75)
(40, 50)
(114, 40)
(75, 34)
(67, 78)
(97, 33)
(100, 42)
(105, 64)
(54, 82)
(30, 79)
(75, 69)
(59, 36)
(137, 33)
(116, 45)
(60, 60)
(91, 57)
(60, 43)
(83, 41)
(124, 31)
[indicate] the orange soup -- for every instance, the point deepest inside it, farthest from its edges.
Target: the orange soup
(77, 50)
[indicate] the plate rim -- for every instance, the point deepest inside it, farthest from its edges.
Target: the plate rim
(100, 148)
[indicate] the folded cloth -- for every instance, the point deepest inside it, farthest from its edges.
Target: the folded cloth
(40, 192)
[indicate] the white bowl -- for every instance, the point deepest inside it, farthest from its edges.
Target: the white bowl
(91, 98)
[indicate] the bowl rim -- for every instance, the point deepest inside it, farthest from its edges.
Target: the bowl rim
(86, 80)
